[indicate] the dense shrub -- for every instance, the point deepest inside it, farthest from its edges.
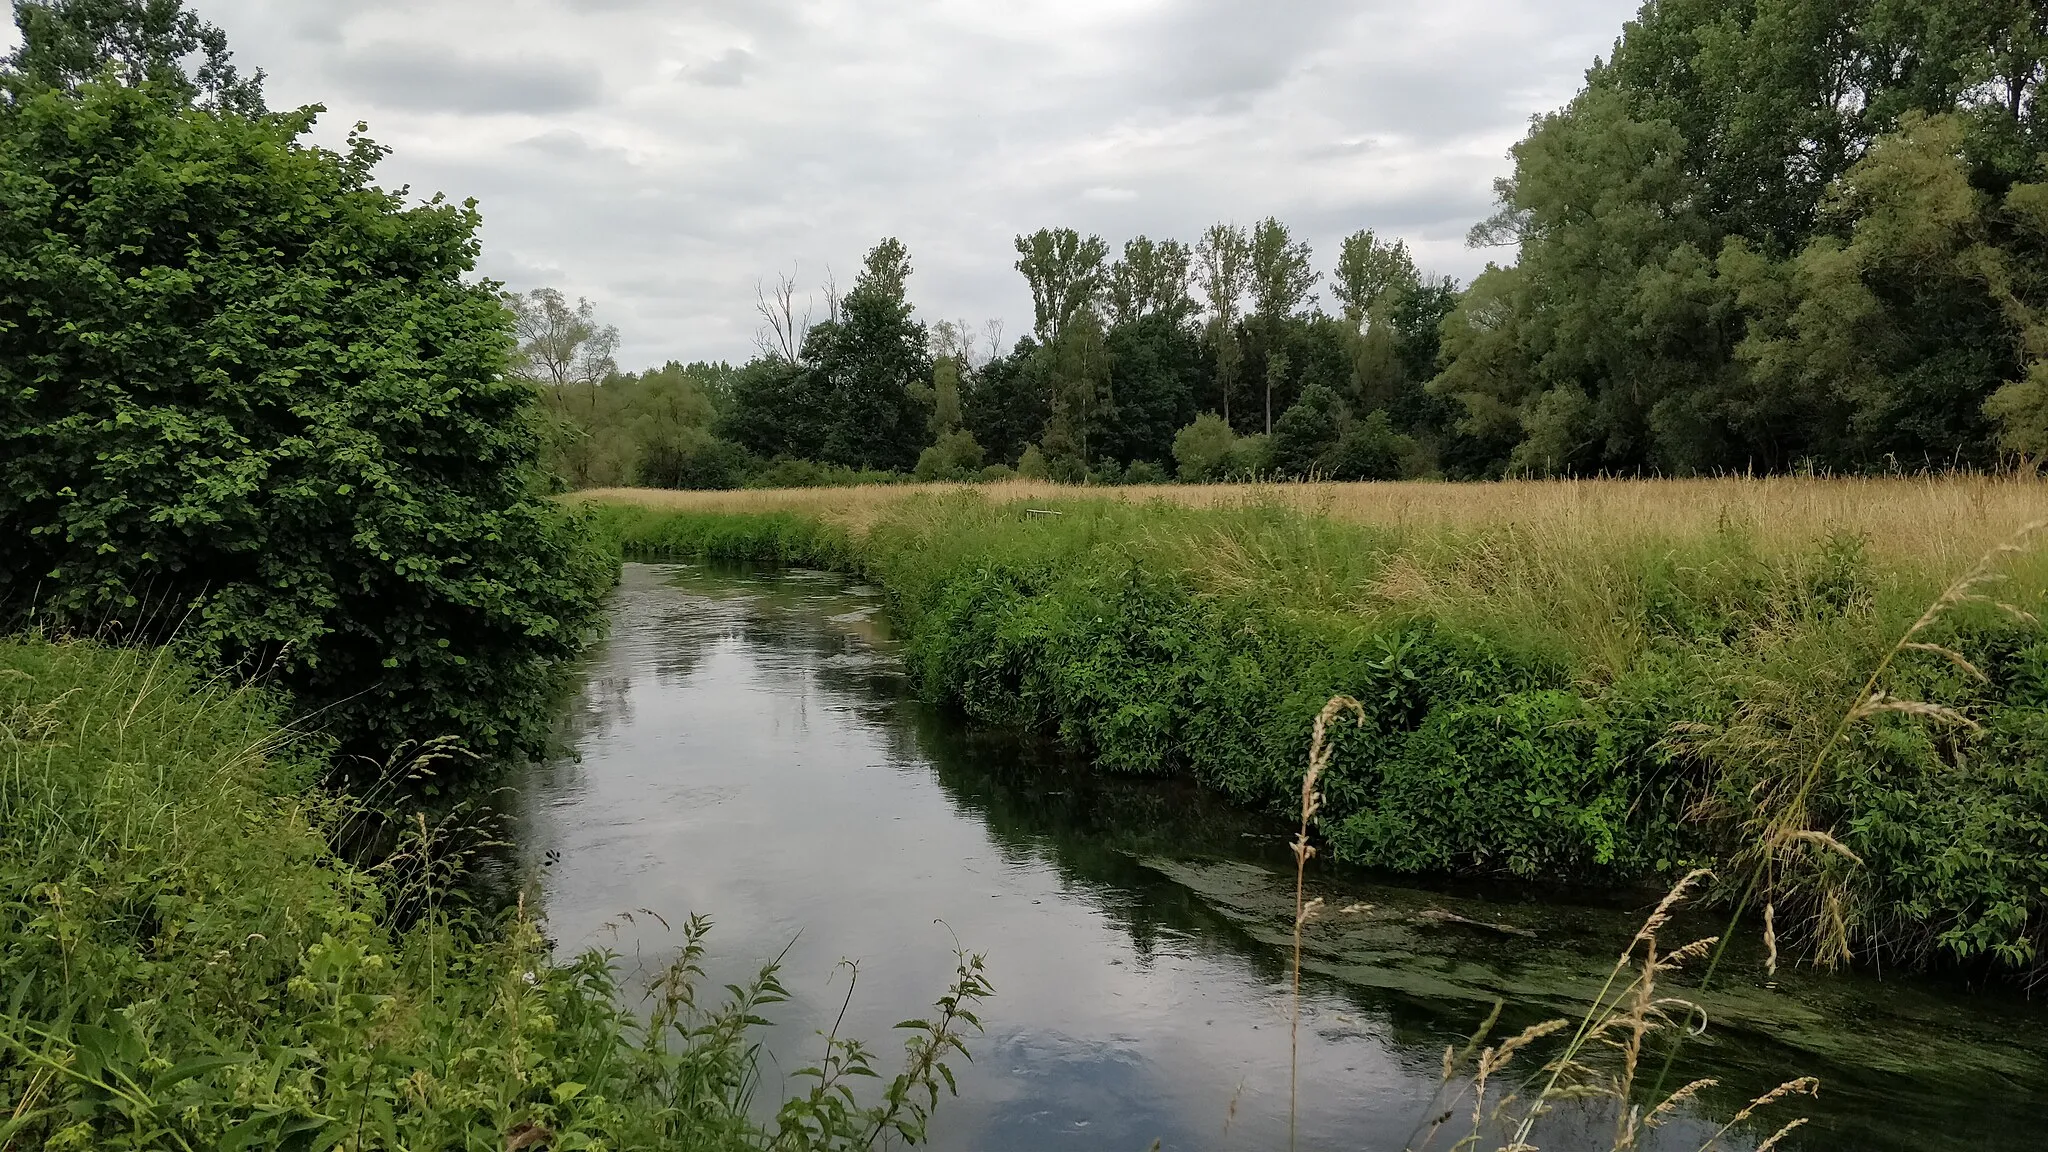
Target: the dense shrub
(954, 457)
(1202, 449)
(248, 395)
(1534, 707)
(693, 458)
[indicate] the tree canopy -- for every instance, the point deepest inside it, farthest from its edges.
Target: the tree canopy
(248, 397)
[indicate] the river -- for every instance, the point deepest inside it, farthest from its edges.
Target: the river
(746, 746)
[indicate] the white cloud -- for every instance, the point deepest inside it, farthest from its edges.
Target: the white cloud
(661, 156)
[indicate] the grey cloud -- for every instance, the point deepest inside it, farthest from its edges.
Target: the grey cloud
(1227, 51)
(729, 70)
(416, 78)
(660, 190)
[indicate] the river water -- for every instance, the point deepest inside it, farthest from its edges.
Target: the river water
(745, 746)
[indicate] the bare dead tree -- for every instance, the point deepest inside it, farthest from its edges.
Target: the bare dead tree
(992, 335)
(784, 335)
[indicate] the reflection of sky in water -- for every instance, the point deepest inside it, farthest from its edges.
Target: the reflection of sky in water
(749, 752)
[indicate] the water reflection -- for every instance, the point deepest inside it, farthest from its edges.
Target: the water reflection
(747, 747)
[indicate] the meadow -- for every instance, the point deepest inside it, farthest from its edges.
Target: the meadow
(1834, 691)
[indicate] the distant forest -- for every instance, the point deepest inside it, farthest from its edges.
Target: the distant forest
(1768, 236)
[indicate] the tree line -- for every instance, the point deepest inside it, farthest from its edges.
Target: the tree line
(1201, 360)
(1767, 235)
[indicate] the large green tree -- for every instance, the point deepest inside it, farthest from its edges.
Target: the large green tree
(250, 397)
(870, 366)
(1723, 176)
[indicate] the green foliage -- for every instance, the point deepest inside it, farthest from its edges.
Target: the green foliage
(1154, 370)
(955, 457)
(1370, 449)
(777, 409)
(67, 43)
(1201, 451)
(863, 367)
(1032, 465)
(190, 965)
(1145, 472)
(693, 458)
(609, 432)
(1507, 730)
(248, 395)
(1066, 274)
(1250, 458)
(787, 473)
(1306, 435)
(1151, 280)
(1770, 234)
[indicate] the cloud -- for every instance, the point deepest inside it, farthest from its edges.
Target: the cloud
(660, 156)
(729, 70)
(417, 78)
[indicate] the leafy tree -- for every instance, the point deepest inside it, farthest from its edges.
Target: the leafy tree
(1155, 366)
(775, 409)
(691, 457)
(866, 363)
(945, 396)
(1280, 280)
(1151, 280)
(67, 43)
(1078, 366)
(954, 457)
(566, 355)
(247, 394)
(1223, 268)
(1307, 432)
(1370, 274)
(1009, 401)
(1702, 238)
(1066, 274)
(1032, 464)
(1201, 451)
(1369, 449)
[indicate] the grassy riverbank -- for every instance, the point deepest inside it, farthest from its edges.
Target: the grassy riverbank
(1599, 681)
(188, 963)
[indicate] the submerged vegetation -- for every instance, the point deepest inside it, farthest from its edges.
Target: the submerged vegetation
(1565, 688)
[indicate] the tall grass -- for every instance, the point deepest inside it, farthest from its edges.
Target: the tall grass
(185, 962)
(1558, 678)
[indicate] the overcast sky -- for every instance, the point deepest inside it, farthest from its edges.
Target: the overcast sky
(661, 156)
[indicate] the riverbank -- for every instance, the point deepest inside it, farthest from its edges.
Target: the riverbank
(1597, 682)
(191, 963)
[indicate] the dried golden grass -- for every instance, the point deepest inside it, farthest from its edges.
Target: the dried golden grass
(1944, 521)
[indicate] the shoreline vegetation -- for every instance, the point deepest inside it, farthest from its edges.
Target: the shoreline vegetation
(193, 961)
(1601, 682)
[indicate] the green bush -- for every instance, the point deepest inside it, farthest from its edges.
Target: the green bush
(1032, 465)
(1251, 458)
(1306, 434)
(693, 458)
(954, 457)
(248, 395)
(1369, 449)
(788, 473)
(190, 965)
(1201, 451)
(1145, 472)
